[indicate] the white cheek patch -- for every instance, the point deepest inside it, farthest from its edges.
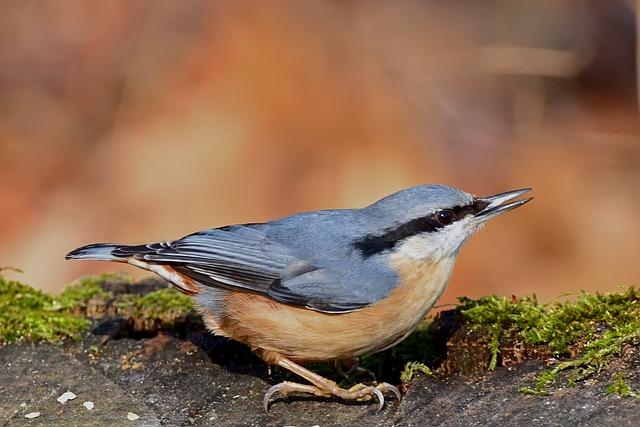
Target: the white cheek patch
(439, 244)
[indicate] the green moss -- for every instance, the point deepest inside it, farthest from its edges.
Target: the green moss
(413, 368)
(161, 304)
(620, 388)
(591, 330)
(29, 314)
(32, 315)
(88, 287)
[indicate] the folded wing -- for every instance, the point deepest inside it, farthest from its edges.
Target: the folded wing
(242, 258)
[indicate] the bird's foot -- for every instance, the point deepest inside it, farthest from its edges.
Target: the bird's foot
(359, 392)
(321, 386)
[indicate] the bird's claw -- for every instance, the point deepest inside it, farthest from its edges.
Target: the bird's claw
(380, 397)
(382, 388)
(267, 396)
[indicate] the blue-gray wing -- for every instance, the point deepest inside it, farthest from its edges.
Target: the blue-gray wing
(243, 258)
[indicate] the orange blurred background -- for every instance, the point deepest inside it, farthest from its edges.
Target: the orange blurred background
(134, 121)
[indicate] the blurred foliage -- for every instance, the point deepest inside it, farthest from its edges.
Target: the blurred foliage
(131, 121)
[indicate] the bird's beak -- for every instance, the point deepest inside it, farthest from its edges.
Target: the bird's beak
(497, 204)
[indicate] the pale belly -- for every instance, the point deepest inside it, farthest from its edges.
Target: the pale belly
(307, 335)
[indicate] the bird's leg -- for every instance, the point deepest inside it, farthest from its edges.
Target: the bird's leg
(325, 387)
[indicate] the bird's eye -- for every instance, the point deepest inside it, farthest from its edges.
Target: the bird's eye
(444, 217)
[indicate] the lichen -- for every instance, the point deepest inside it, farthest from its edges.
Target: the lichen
(589, 332)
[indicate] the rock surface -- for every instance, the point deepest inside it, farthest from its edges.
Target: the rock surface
(186, 376)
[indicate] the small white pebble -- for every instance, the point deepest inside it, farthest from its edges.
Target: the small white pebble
(23, 405)
(88, 404)
(67, 395)
(32, 415)
(132, 417)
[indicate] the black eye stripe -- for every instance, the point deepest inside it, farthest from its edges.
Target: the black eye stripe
(374, 244)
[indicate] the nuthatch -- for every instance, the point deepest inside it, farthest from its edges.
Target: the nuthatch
(328, 285)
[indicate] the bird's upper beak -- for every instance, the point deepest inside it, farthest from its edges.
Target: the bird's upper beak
(497, 204)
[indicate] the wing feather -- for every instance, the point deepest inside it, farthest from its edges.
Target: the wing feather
(243, 258)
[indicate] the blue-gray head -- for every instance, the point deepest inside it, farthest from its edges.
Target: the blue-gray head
(431, 221)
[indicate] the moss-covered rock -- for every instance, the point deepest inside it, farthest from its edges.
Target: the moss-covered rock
(581, 335)
(29, 314)
(32, 315)
(166, 343)
(588, 332)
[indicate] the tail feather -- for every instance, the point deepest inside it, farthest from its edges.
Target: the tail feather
(96, 251)
(123, 253)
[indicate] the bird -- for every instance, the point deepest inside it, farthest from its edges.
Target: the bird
(322, 286)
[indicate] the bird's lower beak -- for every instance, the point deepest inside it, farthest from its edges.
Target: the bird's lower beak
(497, 204)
